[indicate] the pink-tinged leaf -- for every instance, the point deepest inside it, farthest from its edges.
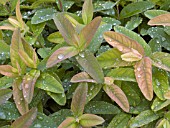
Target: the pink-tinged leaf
(79, 99)
(167, 95)
(26, 120)
(68, 123)
(5, 94)
(89, 120)
(8, 70)
(28, 83)
(143, 73)
(14, 22)
(87, 11)
(123, 43)
(87, 33)
(163, 19)
(82, 77)
(20, 102)
(66, 29)
(108, 80)
(7, 28)
(18, 14)
(61, 54)
(116, 94)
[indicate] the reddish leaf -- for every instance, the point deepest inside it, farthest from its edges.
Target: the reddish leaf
(116, 94)
(79, 99)
(28, 83)
(61, 54)
(82, 77)
(7, 28)
(88, 32)
(5, 94)
(68, 123)
(143, 73)
(108, 80)
(163, 19)
(26, 120)
(89, 120)
(87, 11)
(8, 70)
(123, 43)
(20, 102)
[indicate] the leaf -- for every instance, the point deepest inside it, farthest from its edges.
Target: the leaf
(66, 29)
(125, 74)
(135, 8)
(87, 11)
(143, 118)
(8, 70)
(88, 32)
(8, 111)
(20, 102)
(159, 104)
(61, 54)
(28, 83)
(103, 5)
(43, 15)
(123, 43)
(111, 21)
(37, 28)
(4, 50)
(133, 23)
(116, 94)
(79, 99)
(55, 37)
(19, 15)
(135, 37)
(49, 83)
(163, 123)
(112, 58)
(59, 98)
(89, 120)
(68, 123)
(155, 47)
(163, 19)
(153, 13)
(161, 60)
(5, 82)
(82, 77)
(101, 107)
(5, 94)
(119, 121)
(131, 56)
(143, 73)
(25, 120)
(43, 52)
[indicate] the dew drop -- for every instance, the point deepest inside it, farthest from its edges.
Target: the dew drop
(82, 55)
(60, 56)
(138, 69)
(40, 118)
(139, 76)
(37, 126)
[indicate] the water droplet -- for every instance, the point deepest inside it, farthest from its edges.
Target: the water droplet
(138, 69)
(60, 56)
(81, 54)
(37, 126)
(40, 118)
(139, 76)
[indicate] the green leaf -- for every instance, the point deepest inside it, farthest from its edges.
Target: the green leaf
(159, 104)
(101, 107)
(4, 50)
(143, 118)
(59, 98)
(65, 4)
(91, 66)
(55, 37)
(68, 123)
(37, 28)
(103, 5)
(8, 111)
(25, 120)
(160, 83)
(143, 73)
(112, 58)
(125, 74)
(111, 21)
(79, 99)
(89, 120)
(43, 15)
(164, 123)
(161, 60)
(87, 11)
(43, 52)
(135, 37)
(116, 94)
(5, 94)
(8, 70)
(5, 82)
(49, 83)
(133, 23)
(119, 121)
(155, 47)
(135, 8)
(153, 13)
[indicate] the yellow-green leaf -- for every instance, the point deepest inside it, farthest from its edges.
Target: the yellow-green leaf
(87, 11)
(8, 70)
(68, 123)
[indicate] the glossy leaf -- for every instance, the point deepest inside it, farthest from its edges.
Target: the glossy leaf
(153, 13)
(49, 83)
(125, 74)
(8, 70)
(133, 23)
(131, 56)
(5, 82)
(4, 50)
(28, 83)
(25, 120)
(135, 8)
(159, 104)
(90, 65)
(19, 15)
(19, 99)
(79, 99)
(61, 54)
(103, 5)
(163, 19)
(143, 73)
(5, 94)
(116, 94)
(135, 37)
(143, 118)
(68, 123)
(123, 43)
(59, 98)
(161, 60)
(155, 47)
(164, 123)
(55, 37)
(89, 120)
(87, 11)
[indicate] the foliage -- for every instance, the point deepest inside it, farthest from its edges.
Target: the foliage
(84, 64)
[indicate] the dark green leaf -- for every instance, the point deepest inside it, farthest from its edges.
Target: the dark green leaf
(155, 45)
(4, 50)
(159, 104)
(153, 13)
(133, 23)
(103, 5)
(5, 82)
(59, 98)
(5, 94)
